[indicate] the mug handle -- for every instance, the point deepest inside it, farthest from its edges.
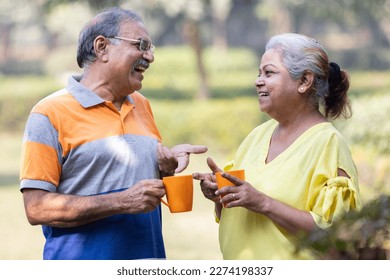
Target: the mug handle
(166, 203)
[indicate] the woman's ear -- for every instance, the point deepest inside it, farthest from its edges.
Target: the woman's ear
(306, 81)
(100, 47)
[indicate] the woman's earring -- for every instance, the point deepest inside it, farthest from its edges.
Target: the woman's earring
(301, 89)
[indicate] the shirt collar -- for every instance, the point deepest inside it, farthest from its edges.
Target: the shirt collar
(85, 96)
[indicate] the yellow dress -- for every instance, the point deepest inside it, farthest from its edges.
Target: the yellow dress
(303, 176)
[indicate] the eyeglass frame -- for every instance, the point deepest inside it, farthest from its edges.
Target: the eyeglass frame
(138, 42)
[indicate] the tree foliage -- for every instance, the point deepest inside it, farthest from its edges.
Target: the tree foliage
(358, 235)
(357, 31)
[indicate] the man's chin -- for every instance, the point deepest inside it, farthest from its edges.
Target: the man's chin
(135, 85)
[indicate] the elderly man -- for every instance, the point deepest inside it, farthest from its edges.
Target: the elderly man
(92, 154)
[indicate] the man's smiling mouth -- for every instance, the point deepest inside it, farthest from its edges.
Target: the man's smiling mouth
(262, 94)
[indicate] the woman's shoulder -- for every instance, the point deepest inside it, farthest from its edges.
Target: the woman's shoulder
(328, 132)
(326, 138)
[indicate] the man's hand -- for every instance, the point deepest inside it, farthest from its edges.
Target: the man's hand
(167, 162)
(142, 197)
(176, 159)
(182, 154)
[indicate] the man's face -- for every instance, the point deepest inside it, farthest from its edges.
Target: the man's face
(126, 61)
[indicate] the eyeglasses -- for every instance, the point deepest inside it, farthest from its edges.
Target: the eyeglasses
(143, 45)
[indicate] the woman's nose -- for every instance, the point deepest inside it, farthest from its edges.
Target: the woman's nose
(259, 81)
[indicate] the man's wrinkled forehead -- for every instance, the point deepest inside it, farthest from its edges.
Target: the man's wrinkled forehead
(133, 27)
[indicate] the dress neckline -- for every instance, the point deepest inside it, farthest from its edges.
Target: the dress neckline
(309, 131)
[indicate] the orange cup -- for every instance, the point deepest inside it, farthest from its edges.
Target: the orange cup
(179, 191)
(222, 182)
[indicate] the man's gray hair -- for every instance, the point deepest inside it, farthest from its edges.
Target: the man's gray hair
(107, 24)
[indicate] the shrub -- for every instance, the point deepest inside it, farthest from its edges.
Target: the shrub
(220, 124)
(21, 67)
(19, 95)
(173, 74)
(369, 125)
(358, 235)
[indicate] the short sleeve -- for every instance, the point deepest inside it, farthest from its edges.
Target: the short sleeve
(338, 196)
(41, 155)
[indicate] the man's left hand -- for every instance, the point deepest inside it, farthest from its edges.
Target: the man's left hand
(182, 153)
(176, 159)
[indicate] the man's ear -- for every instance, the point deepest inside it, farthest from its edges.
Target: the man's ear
(100, 46)
(306, 81)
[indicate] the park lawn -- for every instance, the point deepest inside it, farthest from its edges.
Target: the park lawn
(19, 240)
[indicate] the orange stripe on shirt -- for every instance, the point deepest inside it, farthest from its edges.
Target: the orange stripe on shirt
(47, 165)
(84, 125)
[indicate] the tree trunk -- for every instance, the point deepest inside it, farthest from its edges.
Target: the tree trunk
(6, 41)
(220, 13)
(192, 34)
(219, 39)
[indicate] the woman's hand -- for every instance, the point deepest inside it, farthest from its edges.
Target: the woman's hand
(242, 194)
(208, 184)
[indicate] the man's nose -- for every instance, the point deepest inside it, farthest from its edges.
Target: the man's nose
(148, 55)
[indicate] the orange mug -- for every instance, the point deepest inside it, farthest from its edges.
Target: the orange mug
(179, 191)
(222, 182)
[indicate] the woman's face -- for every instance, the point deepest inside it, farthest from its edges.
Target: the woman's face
(277, 91)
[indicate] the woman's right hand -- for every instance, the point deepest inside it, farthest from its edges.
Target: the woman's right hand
(207, 181)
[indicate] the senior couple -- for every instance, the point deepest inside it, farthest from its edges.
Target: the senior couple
(93, 157)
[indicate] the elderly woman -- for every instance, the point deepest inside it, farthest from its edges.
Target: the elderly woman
(299, 171)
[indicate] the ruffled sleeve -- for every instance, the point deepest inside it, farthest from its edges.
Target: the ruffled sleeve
(338, 196)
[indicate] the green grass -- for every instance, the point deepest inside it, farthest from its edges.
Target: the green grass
(10, 144)
(28, 86)
(368, 83)
(19, 240)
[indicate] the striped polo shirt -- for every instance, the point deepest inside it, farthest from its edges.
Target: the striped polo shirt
(78, 143)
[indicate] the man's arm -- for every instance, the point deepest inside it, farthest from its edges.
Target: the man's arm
(62, 210)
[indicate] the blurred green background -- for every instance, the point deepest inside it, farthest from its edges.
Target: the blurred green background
(201, 88)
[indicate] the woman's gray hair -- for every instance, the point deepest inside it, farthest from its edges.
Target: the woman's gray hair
(107, 24)
(300, 53)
